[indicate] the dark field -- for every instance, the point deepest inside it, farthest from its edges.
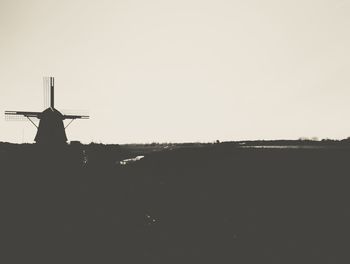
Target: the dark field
(210, 203)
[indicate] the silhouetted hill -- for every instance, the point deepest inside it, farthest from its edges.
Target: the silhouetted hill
(175, 203)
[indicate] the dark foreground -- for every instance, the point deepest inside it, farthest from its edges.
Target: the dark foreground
(196, 204)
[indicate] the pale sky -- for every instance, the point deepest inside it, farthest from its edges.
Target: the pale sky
(179, 71)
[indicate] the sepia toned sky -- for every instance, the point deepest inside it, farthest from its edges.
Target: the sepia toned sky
(179, 71)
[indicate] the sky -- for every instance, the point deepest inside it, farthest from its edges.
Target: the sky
(179, 71)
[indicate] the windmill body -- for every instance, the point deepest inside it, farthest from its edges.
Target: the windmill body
(51, 129)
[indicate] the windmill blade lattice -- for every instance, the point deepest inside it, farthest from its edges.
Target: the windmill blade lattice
(15, 118)
(46, 92)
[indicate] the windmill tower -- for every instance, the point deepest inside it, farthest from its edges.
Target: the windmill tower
(51, 129)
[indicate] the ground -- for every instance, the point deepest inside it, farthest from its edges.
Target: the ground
(188, 203)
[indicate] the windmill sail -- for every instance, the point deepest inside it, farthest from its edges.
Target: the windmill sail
(15, 117)
(76, 117)
(23, 113)
(49, 92)
(52, 90)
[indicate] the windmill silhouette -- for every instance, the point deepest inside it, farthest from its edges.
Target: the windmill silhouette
(51, 129)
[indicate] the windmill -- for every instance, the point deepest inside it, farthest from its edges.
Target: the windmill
(51, 129)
